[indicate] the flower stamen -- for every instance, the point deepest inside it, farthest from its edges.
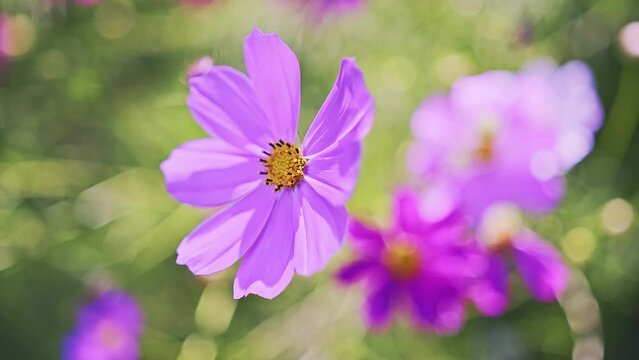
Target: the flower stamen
(284, 165)
(402, 260)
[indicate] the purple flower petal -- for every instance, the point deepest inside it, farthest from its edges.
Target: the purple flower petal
(354, 271)
(406, 212)
(221, 240)
(268, 267)
(541, 266)
(436, 304)
(490, 291)
(225, 105)
(333, 174)
(516, 185)
(320, 231)
(209, 172)
(378, 307)
(345, 116)
(365, 240)
(275, 72)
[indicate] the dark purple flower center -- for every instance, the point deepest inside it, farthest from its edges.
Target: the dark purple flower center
(284, 165)
(402, 259)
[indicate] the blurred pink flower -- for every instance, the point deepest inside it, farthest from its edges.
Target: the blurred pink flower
(500, 136)
(196, 2)
(5, 38)
(107, 328)
(200, 67)
(319, 9)
(286, 211)
(504, 241)
(88, 2)
(415, 265)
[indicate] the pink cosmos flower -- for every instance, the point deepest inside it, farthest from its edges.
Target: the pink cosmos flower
(500, 136)
(417, 265)
(285, 199)
(108, 328)
(504, 241)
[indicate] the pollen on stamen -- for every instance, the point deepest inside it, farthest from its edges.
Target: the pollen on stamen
(284, 168)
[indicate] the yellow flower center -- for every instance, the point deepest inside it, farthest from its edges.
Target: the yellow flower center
(401, 259)
(485, 150)
(284, 165)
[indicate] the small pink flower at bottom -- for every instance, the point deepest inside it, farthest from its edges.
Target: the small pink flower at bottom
(107, 328)
(285, 200)
(504, 240)
(415, 265)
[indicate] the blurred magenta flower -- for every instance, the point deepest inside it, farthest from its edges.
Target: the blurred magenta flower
(5, 38)
(88, 2)
(200, 66)
(287, 199)
(196, 2)
(418, 266)
(108, 328)
(319, 9)
(504, 240)
(500, 136)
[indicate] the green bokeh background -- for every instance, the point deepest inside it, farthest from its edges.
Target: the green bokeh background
(98, 101)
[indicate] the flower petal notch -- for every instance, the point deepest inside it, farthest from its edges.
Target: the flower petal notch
(284, 201)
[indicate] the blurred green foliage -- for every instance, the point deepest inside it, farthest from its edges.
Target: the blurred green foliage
(98, 101)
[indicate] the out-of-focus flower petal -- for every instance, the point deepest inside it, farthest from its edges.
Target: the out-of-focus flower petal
(436, 304)
(510, 185)
(319, 233)
(484, 95)
(489, 291)
(345, 116)
(541, 266)
(210, 172)
(365, 240)
(224, 103)
(355, 271)
(268, 267)
(406, 212)
(221, 240)
(378, 307)
(275, 73)
(333, 174)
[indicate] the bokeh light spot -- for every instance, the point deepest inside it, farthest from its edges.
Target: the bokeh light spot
(629, 39)
(579, 244)
(617, 216)
(53, 65)
(22, 36)
(114, 19)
